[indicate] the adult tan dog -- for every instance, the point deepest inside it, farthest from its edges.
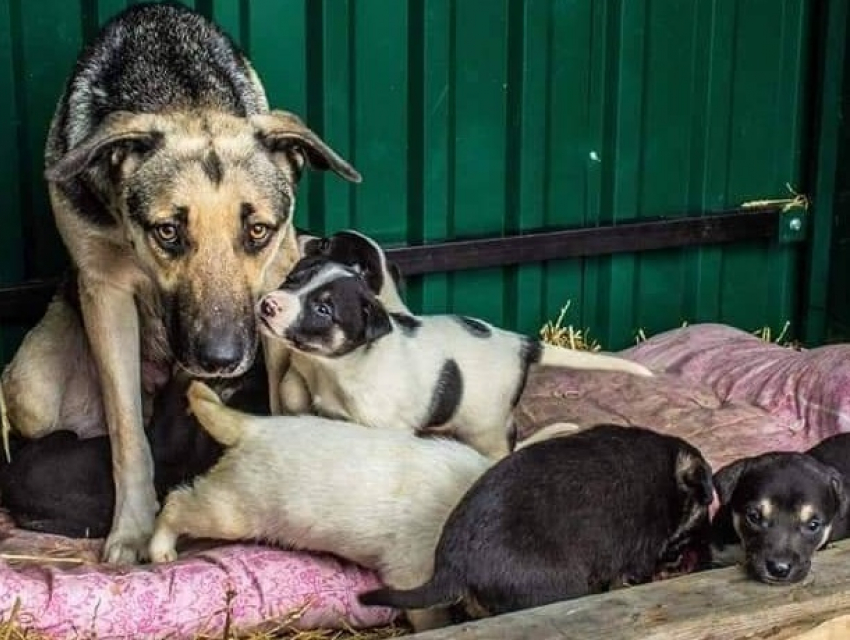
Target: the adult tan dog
(173, 187)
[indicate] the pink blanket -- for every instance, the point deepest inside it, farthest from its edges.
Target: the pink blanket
(726, 391)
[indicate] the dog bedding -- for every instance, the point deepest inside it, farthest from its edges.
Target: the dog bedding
(726, 391)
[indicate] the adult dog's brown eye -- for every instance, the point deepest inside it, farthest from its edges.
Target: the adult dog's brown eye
(259, 233)
(167, 233)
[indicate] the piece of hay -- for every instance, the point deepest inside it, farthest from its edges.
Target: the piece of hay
(799, 200)
(555, 333)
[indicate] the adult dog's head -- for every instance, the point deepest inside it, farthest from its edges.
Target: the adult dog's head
(205, 201)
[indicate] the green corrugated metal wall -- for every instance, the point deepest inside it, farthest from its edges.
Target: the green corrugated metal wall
(490, 117)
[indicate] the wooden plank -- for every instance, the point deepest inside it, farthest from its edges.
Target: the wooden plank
(713, 605)
(735, 226)
(25, 301)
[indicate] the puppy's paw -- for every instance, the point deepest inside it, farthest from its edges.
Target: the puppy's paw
(200, 393)
(162, 546)
(122, 548)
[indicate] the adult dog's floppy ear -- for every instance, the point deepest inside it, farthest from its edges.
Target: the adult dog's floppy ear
(116, 147)
(726, 479)
(282, 132)
(376, 320)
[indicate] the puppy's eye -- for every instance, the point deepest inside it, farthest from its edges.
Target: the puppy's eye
(258, 233)
(323, 309)
(167, 233)
(754, 517)
(813, 525)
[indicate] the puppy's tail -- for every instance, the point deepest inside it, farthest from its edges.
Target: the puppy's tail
(224, 424)
(437, 592)
(575, 359)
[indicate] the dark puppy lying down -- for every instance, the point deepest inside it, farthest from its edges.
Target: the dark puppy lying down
(564, 518)
(780, 508)
(63, 484)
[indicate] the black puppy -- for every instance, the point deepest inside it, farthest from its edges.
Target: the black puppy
(566, 517)
(62, 484)
(780, 507)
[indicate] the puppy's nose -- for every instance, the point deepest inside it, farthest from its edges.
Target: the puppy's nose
(778, 568)
(269, 307)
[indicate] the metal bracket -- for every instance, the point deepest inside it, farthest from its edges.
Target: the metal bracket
(793, 224)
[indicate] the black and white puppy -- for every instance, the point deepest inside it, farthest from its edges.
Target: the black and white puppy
(360, 362)
(63, 484)
(566, 517)
(777, 509)
(365, 256)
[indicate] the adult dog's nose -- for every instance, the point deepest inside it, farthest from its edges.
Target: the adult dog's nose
(269, 308)
(778, 569)
(221, 353)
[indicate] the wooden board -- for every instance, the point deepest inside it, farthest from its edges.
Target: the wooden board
(722, 604)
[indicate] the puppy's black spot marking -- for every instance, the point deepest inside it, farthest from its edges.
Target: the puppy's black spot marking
(446, 395)
(474, 326)
(212, 167)
(409, 325)
(530, 352)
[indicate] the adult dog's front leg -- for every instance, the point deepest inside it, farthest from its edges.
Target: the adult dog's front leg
(112, 324)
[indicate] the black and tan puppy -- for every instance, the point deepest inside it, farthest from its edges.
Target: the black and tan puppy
(173, 186)
(564, 518)
(360, 362)
(63, 484)
(777, 509)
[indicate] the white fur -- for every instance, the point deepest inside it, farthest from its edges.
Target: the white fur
(376, 497)
(391, 383)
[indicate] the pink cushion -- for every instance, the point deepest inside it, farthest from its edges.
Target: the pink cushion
(179, 599)
(724, 390)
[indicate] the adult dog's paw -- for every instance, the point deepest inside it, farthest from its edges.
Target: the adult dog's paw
(123, 548)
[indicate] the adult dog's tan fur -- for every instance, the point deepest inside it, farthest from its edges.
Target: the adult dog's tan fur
(173, 188)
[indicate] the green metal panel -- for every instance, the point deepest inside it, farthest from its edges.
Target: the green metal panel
(473, 118)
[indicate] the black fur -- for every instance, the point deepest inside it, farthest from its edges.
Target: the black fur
(778, 546)
(408, 324)
(357, 251)
(446, 396)
(62, 484)
(530, 354)
(564, 518)
(345, 304)
(835, 452)
(475, 327)
(212, 167)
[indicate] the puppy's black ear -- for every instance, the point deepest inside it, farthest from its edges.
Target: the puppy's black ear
(376, 320)
(396, 275)
(836, 481)
(693, 477)
(726, 479)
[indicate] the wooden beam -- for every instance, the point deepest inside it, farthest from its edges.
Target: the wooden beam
(730, 226)
(722, 604)
(26, 302)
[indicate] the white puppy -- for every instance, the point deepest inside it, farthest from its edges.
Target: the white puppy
(375, 497)
(443, 374)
